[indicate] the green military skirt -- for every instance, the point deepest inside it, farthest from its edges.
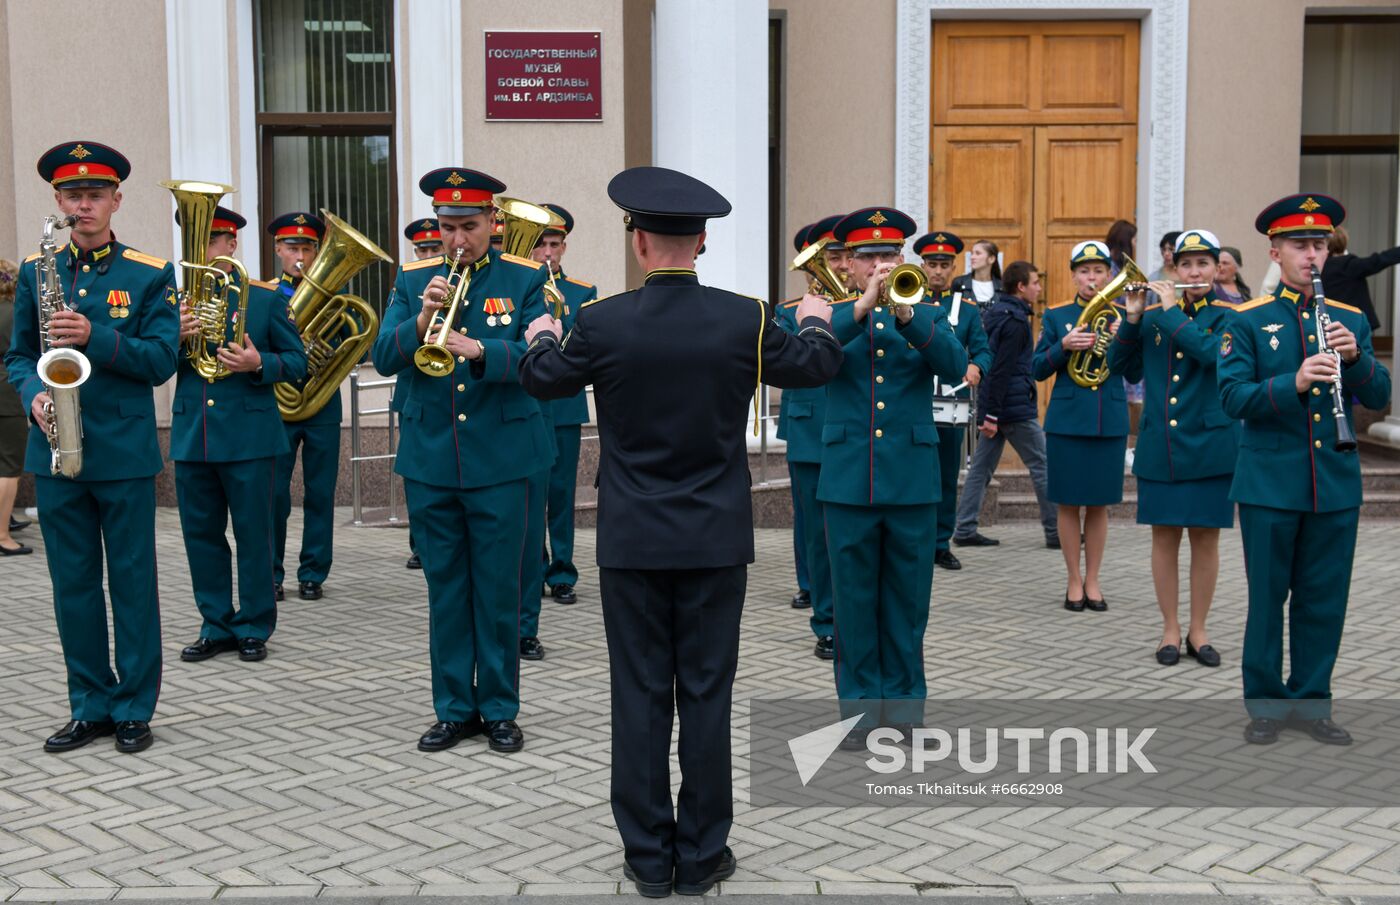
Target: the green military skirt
(1202, 503)
(1084, 471)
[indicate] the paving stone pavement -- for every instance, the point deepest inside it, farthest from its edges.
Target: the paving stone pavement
(298, 777)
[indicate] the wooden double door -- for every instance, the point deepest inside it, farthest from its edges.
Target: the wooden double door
(1034, 142)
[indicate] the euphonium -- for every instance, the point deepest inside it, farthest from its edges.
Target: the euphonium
(905, 285)
(207, 291)
(336, 327)
(1089, 367)
(62, 370)
(524, 224)
(432, 358)
(825, 281)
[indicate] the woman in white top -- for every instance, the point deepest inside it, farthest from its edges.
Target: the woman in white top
(984, 282)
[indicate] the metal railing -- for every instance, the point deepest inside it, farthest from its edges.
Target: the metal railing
(357, 456)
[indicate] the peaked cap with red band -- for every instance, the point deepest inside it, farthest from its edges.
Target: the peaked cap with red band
(460, 192)
(938, 244)
(1305, 216)
(297, 227)
(423, 232)
(225, 221)
(875, 230)
(83, 164)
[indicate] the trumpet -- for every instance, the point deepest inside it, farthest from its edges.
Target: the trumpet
(432, 358)
(904, 286)
(822, 277)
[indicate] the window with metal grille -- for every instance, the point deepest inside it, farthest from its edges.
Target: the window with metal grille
(325, 88)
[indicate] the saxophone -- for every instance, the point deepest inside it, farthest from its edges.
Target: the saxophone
(63, 370)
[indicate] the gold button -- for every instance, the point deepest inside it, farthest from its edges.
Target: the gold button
(1317, 443)
(1316, 391)
(1176, 378)
(462, 330)
(878, 309)
(1172, 422)
(1094, 388)
(1316, 416)
(879, 353)
(461, 417)
(880, 325)
(82, 292)
(1312, 338)
(910, 345)
(1306, 316)
(210, 403)
(880, 405)
(210, 379)
(461, 359)
(1173, 400)
(461, 387)
(1180, 355)
(879, 433)
(87, 267)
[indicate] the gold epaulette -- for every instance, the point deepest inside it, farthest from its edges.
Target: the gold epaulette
(34, 257)
(1157, 307)
(1060, 305)
(595, 301)
(426, 262)
(263, 284)
(1222, 303)
(141, 257)
(579, 283)
(791, 303)
(533, 265)
(1344, 306)
(1254, 303)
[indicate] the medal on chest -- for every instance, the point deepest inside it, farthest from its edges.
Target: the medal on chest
(1273, 329)
(119, 304)
(498, 311)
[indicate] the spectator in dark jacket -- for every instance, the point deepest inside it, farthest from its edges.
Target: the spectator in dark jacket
(1006, 406)
(1344, 275)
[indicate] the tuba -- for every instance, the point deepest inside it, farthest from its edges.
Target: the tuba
(337, 328)
(824, 281)
(904, 286)
(1089, 367)
(63, 370)
(524, 224)
(208, 291)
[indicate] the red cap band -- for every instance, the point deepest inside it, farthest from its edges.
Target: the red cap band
(223, 226)
(1298, 222)
(462, 197)
(71, 171)
(294, 230)
(875, 235)
(427, 235)
(937, 249)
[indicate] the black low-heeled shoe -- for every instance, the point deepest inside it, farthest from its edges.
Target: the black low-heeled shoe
(1097, 606)
(1204, 655)
(1169, 654)
(1074, 606)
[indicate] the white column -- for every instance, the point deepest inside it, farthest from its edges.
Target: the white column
(429, 64)
(710, 115)
(1389, 429)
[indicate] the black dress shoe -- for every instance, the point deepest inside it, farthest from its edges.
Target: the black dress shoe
(504, 736)
(17, 550)
(309, 590)
(1098, 606)
(1169, 655)
(563, 593)
(19, 524)
(1074, 606)
(1204, 655)
(205, 648)
(652, 889)
(133, 736)
(252, 649)
(802, 600)
(413, 562)
(976, 539)
(1262, 730)
(1052, 543)
(1324, 730)
(947, 560)
(723, 871)
(76, 734)
(277, 591)
(531, 649)
(826, 648)
(446, 733)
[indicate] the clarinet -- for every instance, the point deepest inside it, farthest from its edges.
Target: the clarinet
(1346, 437)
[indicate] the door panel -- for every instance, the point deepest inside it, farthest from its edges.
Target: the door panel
(981, 181)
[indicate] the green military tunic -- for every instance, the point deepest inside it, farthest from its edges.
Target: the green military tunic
(965, 318)
(470, 442)
(109, 508)
(568, 416)
(1299, 498)
(879, 487)
(225, 437)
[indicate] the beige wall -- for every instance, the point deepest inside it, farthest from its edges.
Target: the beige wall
(565, 163)
(1244, 114)
(113, 92)
(9, 245)
(838, 117)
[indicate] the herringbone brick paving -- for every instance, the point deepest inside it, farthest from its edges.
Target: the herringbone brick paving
(299, 775)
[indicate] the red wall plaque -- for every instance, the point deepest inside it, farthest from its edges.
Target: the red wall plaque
(544, 75)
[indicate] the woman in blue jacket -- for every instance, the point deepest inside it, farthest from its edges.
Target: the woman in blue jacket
(1186, 448)
(1086, 430)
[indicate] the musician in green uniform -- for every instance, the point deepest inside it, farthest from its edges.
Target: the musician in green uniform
(1086, 428)
(296, 241)
(568, 417)
(953, 408)
(225, 436)
(471, 439)
(119, 312)
(426, 239)
(1299, 494)
(879, 484)
(1186, 446)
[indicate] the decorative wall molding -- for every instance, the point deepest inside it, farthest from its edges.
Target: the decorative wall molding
(429, 125)
(1161, 92)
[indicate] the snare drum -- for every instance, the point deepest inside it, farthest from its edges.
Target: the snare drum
(948, 409)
